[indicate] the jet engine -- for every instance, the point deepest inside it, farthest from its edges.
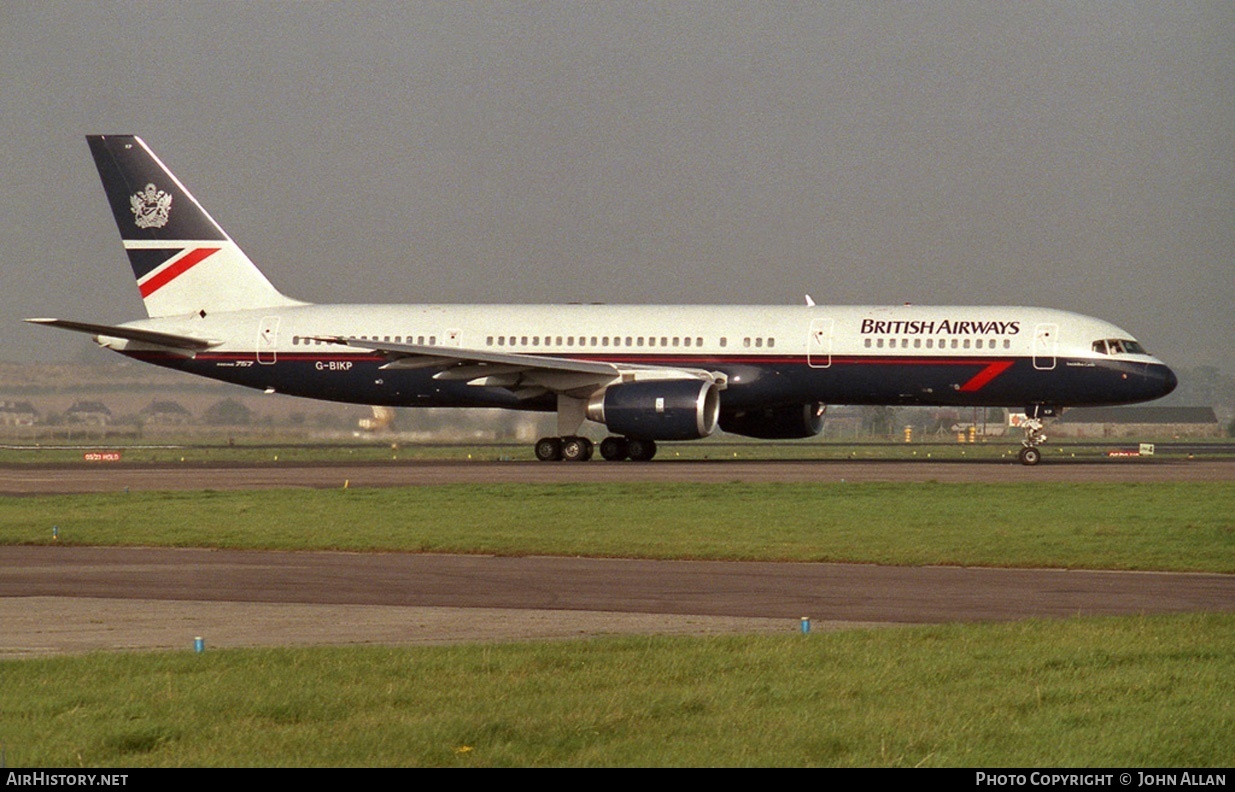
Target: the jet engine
(776, 423)
(658, 409)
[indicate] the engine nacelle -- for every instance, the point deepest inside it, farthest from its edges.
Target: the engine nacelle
(658, 409)
(776, 423)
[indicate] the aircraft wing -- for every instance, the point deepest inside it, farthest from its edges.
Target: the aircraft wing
(170, 340)
(525, 375)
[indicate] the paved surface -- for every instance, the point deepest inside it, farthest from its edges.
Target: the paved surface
(102, 477)
(58, 599)
(49, 596)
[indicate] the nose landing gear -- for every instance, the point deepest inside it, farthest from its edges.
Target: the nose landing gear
(1034, 436)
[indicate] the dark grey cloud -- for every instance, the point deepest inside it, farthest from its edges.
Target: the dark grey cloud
(1071, 155)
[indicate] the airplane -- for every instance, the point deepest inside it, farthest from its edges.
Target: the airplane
(647, 373)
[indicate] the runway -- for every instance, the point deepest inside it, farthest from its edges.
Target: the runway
(68, 599)
(102, 477)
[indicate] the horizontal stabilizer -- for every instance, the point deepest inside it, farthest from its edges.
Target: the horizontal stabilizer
(130, 333)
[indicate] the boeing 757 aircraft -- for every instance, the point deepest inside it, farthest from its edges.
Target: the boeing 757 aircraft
(647, 373)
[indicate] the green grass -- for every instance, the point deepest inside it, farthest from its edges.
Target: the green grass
(1135, 691)
(1187, 526)
(279, 450)
(1099, 692)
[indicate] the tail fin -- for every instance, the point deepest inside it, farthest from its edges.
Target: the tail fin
(183, 261)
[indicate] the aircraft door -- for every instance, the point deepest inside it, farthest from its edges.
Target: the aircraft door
(453, 338)
(1045, 345)
(819, 343)
(267, 340)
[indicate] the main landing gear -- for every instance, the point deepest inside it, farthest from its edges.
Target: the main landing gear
(580, 449)
(570, 447)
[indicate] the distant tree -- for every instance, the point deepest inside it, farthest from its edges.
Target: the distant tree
(878, 420)
(228, 412)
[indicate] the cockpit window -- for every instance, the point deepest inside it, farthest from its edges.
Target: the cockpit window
(1118, 346)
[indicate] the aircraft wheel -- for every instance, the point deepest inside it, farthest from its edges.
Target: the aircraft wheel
(1030, 455)
(549, 449)
(576, 449)
(641, 450)
(614, 449)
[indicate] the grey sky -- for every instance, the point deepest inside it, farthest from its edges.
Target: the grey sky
(1071, 155)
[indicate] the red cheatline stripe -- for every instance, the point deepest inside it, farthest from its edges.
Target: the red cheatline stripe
(986, 375)
(175, 270)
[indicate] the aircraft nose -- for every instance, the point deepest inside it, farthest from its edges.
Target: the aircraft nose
(1160, 380)
(1169, 380)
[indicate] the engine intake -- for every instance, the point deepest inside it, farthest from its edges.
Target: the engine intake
(775, 423)
(658, 409)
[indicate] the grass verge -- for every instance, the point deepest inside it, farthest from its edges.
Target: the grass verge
(1184, 526)
(1134, 691)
